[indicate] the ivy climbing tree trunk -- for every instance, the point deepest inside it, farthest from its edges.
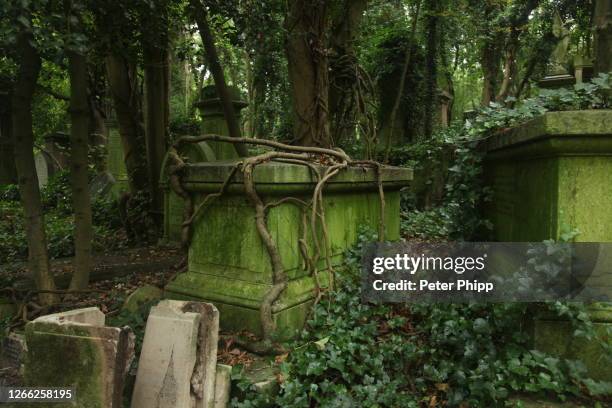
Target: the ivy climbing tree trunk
(200, 15)
(23, 142)
(123, 85)
(306, 48)
(79, 135)
(344, 75)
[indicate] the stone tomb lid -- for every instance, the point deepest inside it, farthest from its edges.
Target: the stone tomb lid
(289, 174)
(589, 130)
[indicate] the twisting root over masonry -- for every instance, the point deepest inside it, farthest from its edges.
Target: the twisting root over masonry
(300, 155)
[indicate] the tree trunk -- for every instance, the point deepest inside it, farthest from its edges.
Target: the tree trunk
(343, 75)
(516, 25)
(431, 74)
(8, 172)
(23, 142)
(157, 99)
(490, 68)
(602, 25)
(79, 130)
(201, 18)
(306, 25)
(126, 97)
(490, 54)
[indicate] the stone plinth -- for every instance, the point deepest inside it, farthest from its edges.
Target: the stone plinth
(549, 176)
(230, 267)
(552, 174)
(75, 349)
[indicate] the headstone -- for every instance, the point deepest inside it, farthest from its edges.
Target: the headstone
(57, 146)
(43, 168)
(102, 184)
(75, 349)
(140, 296)
(115, 159)
(179, 356)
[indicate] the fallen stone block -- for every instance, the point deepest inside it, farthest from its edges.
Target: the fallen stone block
(75, 349)
(179, 356)
(223, 385)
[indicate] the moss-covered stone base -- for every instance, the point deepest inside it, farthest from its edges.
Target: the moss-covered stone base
(228, 263)
(557, 338)
(549, 176)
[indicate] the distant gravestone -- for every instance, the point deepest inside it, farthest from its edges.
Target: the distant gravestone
(75, 349)
(115, 159)
(177, 365)
(102, 185)
(43, 169)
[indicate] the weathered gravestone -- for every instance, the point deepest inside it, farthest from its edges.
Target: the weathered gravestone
(548, 176)
(228, 262)
(115, 158)
(177, 365)
(75, 349)
(213, 122)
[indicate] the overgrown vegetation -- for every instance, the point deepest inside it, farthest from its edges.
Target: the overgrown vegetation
(355, 354)
(57, 204)
(456, 215)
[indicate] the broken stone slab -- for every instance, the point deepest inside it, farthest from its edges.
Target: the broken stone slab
(223, 385)
(74, 349)
(88, 315)
(179, 356)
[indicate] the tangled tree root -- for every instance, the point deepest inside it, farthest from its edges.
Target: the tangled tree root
(300, 155)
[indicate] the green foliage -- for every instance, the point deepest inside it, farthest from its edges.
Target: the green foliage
(381, 355)
(57, 203)
(458, 216)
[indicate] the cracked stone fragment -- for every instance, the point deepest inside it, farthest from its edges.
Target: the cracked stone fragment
(179, 354)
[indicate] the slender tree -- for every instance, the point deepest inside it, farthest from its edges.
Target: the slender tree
(79, 147)
(23, 141)
(154, 22)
